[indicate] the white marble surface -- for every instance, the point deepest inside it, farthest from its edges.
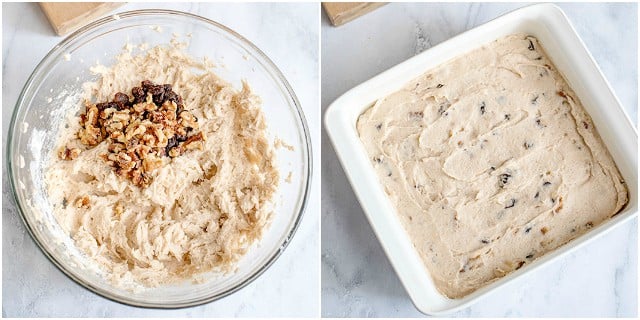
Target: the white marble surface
(599, 279)
(34, 287)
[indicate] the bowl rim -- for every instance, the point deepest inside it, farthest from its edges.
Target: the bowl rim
(262, 59)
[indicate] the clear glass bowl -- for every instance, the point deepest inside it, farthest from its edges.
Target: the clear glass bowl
(32, 135)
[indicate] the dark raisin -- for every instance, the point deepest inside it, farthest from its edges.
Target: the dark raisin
(539, 58)
(138, 94)
(529, 256)
(146, 84)
(440, 85)
(534, 100)
(441, 110)
(538, 122)
(181, 138)
(527, 229)
(121, 98)
(389, 174)
(158, 94)
(527, 145)
(492, 168)
(585, 124)
(65, 202)
(503, 179)
(484, 241)
(531, 47)
(482, 106)
(116, 105)
(589, 225)
(173, 97)
(507, 116)
(510, 204)
(553, 200)
(520, 264)
(171, 142)
(101, 106)
(546, 183)
(537, 194)
(379, 126)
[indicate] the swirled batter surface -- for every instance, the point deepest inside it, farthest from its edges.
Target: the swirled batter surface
(202, 210)
(490, 161)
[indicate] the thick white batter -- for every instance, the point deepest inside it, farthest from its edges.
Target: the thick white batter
(203, 208)
(491, 162)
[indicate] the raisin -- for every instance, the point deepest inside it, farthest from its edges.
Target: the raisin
(589, 225)
(537, 194)
(520, 264)
(482, 106)
(181, 138)
(546, 183)
(379, 126)
(171, 142)
(531, 47)
(121, 97)
(173, 97)
(527, 229)
(503, 179)
(440, 85)
(65, 202)
(534, 101)
(529, 256)
(138, 94)
(527, 145)
(511, 204)
(585, 125)
(116, 105)
(507, 116)
(157, 91)
(147, 84)
(492, 168)
(484, 241)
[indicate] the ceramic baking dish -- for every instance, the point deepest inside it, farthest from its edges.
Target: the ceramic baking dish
(563, 46)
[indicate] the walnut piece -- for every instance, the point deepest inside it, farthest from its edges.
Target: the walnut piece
(140, 130)
(69, 153)
(83, 202)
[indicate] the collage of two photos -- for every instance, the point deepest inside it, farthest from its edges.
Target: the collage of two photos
(319, 160)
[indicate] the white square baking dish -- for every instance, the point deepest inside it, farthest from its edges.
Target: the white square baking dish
(552, 28)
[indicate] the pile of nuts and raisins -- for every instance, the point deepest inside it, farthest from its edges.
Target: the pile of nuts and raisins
(140, 130)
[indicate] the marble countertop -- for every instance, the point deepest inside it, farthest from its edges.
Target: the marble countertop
(33, 287)
(600, 279)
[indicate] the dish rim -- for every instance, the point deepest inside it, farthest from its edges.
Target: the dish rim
(261, 58)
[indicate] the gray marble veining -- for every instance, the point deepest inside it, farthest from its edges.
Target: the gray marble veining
(599, 279)
(34, 287)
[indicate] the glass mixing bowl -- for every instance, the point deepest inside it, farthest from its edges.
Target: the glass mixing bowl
(59, 76)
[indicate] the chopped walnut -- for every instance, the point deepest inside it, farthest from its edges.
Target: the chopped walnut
(83, 202)
(69, 153)
(139, 130)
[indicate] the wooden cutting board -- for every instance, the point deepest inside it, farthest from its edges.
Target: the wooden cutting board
(65, 17)
(342, 12)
